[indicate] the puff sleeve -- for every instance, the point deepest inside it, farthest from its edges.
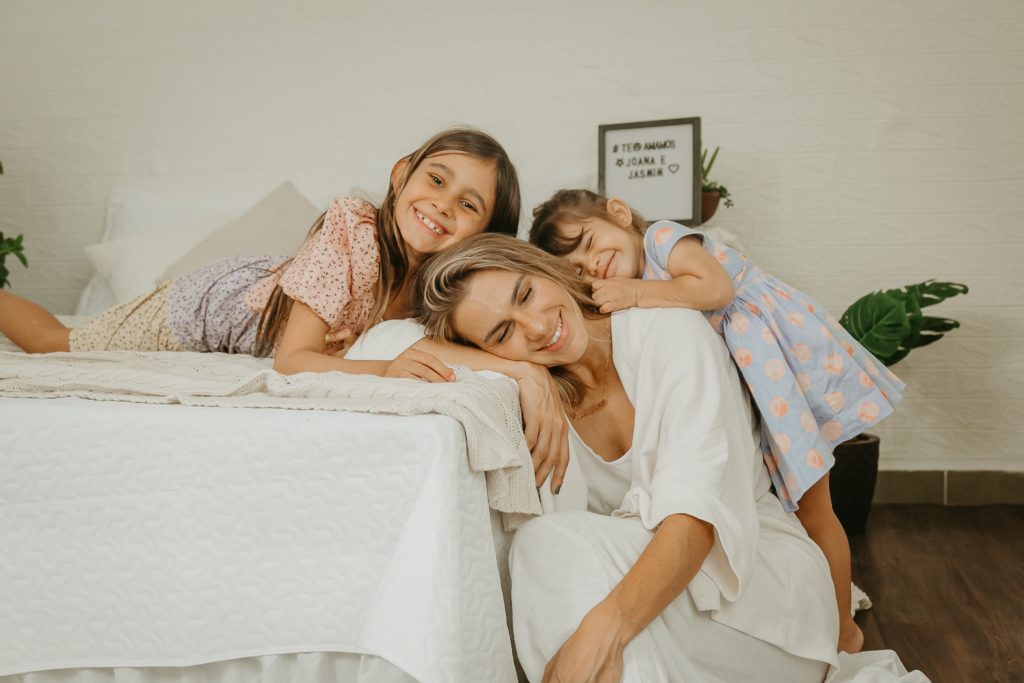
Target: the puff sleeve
(658, 242)
(336, 270)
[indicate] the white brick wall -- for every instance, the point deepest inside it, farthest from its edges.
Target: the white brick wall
(868, 144)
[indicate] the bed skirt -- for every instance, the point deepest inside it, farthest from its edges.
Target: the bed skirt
(305, 667)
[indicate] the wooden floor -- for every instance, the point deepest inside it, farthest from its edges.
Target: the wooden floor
(948, 589)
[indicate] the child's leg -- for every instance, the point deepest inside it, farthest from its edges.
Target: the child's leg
(31, 326)
(823, 527)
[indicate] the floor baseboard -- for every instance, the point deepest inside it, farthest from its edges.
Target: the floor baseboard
(950, 487)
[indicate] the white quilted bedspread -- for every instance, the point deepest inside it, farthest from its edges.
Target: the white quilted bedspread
(139, 534)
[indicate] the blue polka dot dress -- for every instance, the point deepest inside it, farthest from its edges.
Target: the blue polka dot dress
(814, 385)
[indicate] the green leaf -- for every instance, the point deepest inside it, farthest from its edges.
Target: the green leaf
(879, 322)
(918, 330)
(705, 168)
(21, 257)
(3, 275)
(934, 330)
(939, 324)
(932, 292)
(895, 358)
(912, 300)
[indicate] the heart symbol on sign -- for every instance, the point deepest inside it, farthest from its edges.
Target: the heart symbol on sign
(672, 168)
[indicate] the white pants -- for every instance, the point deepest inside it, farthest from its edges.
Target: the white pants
(565, 563)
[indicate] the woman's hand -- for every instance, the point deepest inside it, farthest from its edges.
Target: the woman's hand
(593, 654)
(545, 426)
(616, 293)
(419, 365)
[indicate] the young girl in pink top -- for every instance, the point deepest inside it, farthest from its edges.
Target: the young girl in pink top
(354, 270)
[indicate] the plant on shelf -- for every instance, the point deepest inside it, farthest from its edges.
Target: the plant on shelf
(890, 324)
(10, 245)
(711, 191)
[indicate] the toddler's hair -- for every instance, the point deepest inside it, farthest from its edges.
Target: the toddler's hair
(570, 205)
(394, 261)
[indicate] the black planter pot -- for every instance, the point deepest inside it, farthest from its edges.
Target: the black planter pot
(852, 481)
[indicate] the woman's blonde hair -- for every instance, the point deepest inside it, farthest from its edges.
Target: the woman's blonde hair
(443, 282)
(394, 260)
(571, 206)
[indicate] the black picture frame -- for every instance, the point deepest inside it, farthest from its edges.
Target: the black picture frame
(646, 164)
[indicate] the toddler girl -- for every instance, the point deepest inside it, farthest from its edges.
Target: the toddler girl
(813, 384)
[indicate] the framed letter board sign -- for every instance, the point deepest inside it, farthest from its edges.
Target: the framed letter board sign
(654, 166)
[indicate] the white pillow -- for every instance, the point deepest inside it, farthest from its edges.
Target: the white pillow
(131, 265)
(96, 297)
(276, 225)
(130, 212)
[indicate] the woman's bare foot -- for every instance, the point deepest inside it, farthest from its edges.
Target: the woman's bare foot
(851, 638)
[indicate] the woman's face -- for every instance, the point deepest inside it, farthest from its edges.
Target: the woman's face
(521, 317)
(447, 198)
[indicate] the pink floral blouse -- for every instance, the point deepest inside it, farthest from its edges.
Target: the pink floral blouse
(335, 271)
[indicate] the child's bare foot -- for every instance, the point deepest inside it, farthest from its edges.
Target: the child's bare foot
(851, 638)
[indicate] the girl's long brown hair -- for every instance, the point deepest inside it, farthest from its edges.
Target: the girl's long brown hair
(394, 260)
(443, 282)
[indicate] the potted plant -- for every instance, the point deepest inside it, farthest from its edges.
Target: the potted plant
(889, 324)
(10, 245)
(711, 192)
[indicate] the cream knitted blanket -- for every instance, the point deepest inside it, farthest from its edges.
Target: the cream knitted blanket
(486, 406)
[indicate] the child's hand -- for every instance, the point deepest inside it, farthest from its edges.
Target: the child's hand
(616, 293)
(413, 364)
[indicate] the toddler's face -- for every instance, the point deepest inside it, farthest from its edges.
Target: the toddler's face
(606, 249)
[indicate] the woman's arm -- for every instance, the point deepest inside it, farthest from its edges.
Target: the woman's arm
(545, 425)
(698, 282)
(664, 569)
(303, 342)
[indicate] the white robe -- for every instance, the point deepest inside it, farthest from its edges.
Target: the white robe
(762, 607)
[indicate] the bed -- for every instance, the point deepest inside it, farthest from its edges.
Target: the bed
(164, 539)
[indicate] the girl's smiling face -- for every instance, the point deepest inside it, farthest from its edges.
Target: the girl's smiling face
(446, 199)
(605, 246)
(522, 318)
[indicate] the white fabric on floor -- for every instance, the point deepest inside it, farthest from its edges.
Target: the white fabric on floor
(859, 600)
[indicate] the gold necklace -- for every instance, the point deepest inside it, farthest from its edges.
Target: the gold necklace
(580, 413)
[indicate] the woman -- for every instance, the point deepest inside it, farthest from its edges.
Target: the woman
(697, 569)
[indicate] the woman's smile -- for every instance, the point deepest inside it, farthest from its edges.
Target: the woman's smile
(559, 339)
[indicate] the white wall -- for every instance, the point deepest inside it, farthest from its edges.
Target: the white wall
(868, 144)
